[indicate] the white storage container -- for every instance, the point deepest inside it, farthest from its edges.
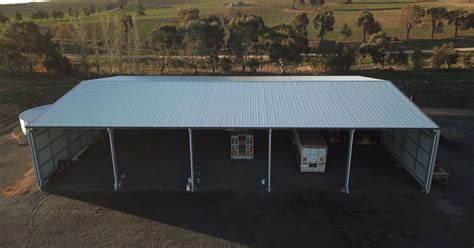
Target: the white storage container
(312, 150)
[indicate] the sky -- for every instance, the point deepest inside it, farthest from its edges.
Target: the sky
(21, 1)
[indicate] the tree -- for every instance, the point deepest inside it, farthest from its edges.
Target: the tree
(107, 37)
(412, 15)
(89, 11)
(434, 16)
(57, 64)
(73, 12)
(335, 56)
(3, 19)
(61, 31)
(10, 57)
(284, 49)
(136, 45)
(215, 40)
(27, 38)
(127, 24)
(253, 65)
(346, 32)
(57, 14)
(368, 23)
(300, 28)
(194, 40)
(18, 16)
(231, 12)
(40, 15)
(398, 58)
(377, 47)
(94, 36)
(300, 23)
(347, 54)
(204, 39)
(324, 21)
(141, 10)
(121, 3)
(186, 15)
(23, 45)
(166, 42)
(416, 60)
(446, 54)
(226, 65)
(244, 36)
(293, 4)
(467, 21)
(455, 18)
(80, 32)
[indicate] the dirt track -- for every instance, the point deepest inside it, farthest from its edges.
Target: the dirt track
(366, 218)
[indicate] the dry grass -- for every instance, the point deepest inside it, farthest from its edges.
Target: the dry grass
(24, 186)
(15, 136)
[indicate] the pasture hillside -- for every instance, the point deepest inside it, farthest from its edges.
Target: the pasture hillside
(272, 11)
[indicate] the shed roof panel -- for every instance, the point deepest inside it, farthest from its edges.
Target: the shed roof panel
(235, 102)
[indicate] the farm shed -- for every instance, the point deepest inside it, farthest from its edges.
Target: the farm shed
(350, 103)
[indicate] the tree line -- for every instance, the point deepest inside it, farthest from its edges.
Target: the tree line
(214, 43)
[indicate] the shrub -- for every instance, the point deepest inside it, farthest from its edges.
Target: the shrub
(317, 2)
(364, 60)
(377, 47)
(225, 65)
(444, 55)
(253, 64)
(57, 64)
(335, 56)
(416, 60)
(398, 58)
(466, 60)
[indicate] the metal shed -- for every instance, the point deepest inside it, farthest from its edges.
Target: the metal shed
(201, 102)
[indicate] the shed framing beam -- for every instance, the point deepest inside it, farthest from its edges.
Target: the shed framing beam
(434, 152)
(191, 165)
(269, 181)
(114, 159)
(349, 161)
(39, 174)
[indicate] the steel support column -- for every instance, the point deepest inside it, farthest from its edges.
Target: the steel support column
(114, 160)
(68, 144)
(349, 161)
(434, 152)
(190, 134)
(269, 181)
(32, 142)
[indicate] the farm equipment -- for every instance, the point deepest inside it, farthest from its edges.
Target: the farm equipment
(439, 174)
(366, 138)
(241, 143)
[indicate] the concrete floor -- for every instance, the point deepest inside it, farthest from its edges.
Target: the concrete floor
(159, 160)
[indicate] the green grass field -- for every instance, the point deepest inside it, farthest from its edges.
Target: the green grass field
(273, 11)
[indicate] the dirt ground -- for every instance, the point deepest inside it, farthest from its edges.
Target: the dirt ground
(392, 213)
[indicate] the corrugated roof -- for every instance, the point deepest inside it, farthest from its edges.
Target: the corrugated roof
(235, 102)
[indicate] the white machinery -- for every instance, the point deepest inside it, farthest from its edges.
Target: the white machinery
(241, 145)
(312, 150)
